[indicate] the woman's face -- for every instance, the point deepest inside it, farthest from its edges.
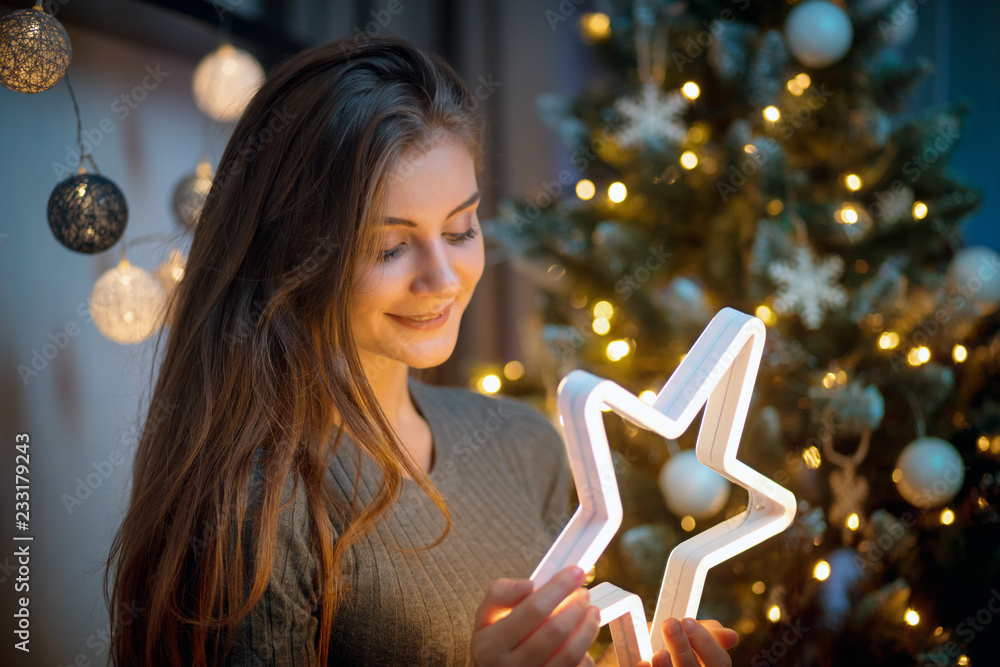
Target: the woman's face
(432, 258)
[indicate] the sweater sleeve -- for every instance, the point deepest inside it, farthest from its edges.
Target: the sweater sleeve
(281, 630)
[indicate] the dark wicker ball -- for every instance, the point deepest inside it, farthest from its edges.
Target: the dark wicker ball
(34, 51)
(87, 213)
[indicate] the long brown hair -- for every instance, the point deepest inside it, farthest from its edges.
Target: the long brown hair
(260, 354)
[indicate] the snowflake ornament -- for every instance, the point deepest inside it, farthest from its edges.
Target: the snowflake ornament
(652, 116)
(807, 287)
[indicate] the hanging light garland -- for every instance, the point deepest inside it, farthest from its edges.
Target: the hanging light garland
(34, 50)
(225, 80)
(190, 195)
(87, 212)
(128, 303)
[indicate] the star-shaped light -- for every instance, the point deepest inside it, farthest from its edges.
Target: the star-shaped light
(719, 373)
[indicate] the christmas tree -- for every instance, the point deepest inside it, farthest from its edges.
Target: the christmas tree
(756, 155)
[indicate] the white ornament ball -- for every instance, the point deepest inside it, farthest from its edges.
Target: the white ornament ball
(691, 488)
(975, 273)
(930, 472)
(818, 33)
(224, 81)
(127, 304)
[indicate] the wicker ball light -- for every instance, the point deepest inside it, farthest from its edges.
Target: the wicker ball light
(190, 195)
(34, 50)
(127, 304)
(87, 213)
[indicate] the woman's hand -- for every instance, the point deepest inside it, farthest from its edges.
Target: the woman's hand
(693, 644)
(515, 627)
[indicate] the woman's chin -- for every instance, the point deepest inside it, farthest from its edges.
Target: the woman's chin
(430, 354)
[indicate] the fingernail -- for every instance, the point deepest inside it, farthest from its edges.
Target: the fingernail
(595, 612)
(673, 628)
(689, 625)
(578, 575)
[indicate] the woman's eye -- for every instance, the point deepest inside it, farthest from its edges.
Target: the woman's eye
(456, 239)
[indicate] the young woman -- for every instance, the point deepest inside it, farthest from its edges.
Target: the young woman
(281, 510)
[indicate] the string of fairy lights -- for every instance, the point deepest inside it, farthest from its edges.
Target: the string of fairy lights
(88, 212)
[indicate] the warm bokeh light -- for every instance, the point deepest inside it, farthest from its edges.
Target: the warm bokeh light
(962, 660)
(691, 90)
(585, 189)
(758, 587)
(829, 380)
(853, 182)
(617, 349)
(983, 443)
(601, 326)
(853, 521)
(897, 475)
(648, 396)
(959, 353)
(774, 614)
(947, 517)
(765, 314)
(489, 384)
(918, 355)
(811, 457)
(848, 214)
(794, 88)
(689, 160)
(803, 80)
(604, 309)
(888, 340)
(911, 617)
(822, 570)
(617, 192)
(775, 206)
(596, 25)
(513, 370)
(772, 114)
(687, 523)
(919, 210)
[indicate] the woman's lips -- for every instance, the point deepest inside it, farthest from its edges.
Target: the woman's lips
(423, 325)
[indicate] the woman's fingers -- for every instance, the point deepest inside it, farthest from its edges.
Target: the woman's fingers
(531, 612)
(705, 645)
(551, 641)
(681, 652)
(578, 643)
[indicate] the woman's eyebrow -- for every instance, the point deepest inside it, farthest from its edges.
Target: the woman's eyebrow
(390, 220)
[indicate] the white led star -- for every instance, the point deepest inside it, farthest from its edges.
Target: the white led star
(808, 287)
(719, 373)
(652, 115)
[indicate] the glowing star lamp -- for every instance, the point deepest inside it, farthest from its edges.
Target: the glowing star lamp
(718, 373)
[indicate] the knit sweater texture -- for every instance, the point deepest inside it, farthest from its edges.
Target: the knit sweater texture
(500, 465)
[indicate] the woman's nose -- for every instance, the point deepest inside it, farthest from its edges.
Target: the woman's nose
(437, 273)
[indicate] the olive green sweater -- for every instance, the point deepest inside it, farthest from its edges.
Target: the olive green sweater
(500, 465)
